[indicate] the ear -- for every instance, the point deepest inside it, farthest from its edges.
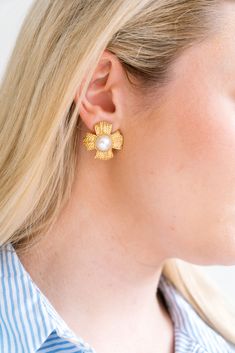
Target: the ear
(104, 98)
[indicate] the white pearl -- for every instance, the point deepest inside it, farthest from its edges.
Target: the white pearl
(103, 142)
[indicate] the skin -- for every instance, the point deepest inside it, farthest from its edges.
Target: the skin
(170, 192)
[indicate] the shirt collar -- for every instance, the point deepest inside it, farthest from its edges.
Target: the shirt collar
(27, 316)
(190, 329)
(25, 310)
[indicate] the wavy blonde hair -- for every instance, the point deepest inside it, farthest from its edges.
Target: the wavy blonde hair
(59, 44)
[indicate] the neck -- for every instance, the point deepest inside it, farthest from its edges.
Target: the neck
(92, 274)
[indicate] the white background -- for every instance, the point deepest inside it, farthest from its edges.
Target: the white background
(12, 13)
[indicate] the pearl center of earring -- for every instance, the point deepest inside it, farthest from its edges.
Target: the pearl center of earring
(103, 142)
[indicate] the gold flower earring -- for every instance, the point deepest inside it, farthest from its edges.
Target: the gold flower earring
(103, 141)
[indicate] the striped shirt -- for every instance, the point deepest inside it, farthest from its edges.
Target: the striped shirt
(29, 323)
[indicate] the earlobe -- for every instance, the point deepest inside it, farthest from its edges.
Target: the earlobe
(103, 141)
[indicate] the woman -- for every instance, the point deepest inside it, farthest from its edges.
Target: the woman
(117, 174)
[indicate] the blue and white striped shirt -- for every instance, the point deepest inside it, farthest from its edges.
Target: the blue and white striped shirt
(29, 323)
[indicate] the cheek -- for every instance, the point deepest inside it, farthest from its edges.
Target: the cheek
(205, 137)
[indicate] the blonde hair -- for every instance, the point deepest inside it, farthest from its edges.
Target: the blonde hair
(60, 43)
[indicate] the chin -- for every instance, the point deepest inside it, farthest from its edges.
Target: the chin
(224, 252)
(218, 250)
(219, 245)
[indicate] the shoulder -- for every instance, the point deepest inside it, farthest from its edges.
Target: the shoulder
(231, 346)
(190, 329)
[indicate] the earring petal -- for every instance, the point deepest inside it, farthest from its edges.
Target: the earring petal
(117, 140)
(103, 127)
(89, 141)
(104, 155)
